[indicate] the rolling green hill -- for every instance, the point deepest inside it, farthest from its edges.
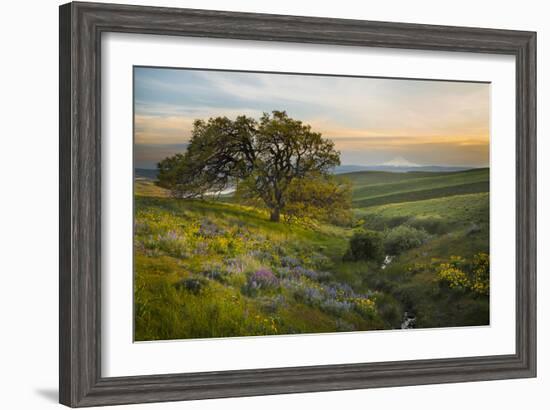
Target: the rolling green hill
(378, 188)
(460, 223)
(456, 209)
(372, 188)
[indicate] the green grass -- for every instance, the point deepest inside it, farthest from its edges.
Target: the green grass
(195, 261)
(377, 188)
(178, 240)
(146, 187)
(453, 210)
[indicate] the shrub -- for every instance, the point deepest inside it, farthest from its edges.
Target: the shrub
(379, 222)
(225, 245)
(397, 220)
(336, 307)
(366, 245)
(209, 229)
(261, 279)
(402, 238)
(343, 326)
(480, 274)
(270, 304)
(309, 293)
(389, 309)
(193, 285)
(366, 307)
(214, 271)
(453, 276)
(474, 276)
(308, 273)
(290, 261)
(319, 260)
(473, 229)
(170, 243)
(339, 290)
(235, 265)
(431, 225)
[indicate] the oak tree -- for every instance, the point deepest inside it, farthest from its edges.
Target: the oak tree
(265, 160)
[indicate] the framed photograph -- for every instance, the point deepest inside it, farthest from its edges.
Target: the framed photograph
(259, 204)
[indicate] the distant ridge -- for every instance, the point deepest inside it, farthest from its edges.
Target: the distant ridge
(145, 173)
(344, 169)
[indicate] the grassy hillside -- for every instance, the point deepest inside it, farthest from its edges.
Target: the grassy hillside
(213, 269)
(219, 269)
(458, 227)
(146, 187)
(377, 188)
(434, 215)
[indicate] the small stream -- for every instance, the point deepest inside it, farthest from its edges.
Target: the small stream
(387, 261)
(409, 320)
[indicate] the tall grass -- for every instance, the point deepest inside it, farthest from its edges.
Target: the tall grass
(219, 269)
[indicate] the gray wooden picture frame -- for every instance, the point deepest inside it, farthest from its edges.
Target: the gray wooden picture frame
(81, 27)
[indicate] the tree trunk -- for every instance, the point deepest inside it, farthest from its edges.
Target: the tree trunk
(275, 215)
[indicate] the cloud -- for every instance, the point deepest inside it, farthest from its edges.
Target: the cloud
(150, 129)
(370, 106)
(364, 114)
(176, 128)
(149, 155)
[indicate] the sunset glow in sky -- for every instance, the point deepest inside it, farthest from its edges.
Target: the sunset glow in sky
(371, 120)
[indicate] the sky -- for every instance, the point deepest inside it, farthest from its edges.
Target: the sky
(372, 121)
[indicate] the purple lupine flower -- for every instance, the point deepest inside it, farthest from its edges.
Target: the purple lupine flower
(336, 306)
(234, 265)
(263, 278)
(171, 236)
(301, 271)
(209, 229)
(289, 262)
(312, 295)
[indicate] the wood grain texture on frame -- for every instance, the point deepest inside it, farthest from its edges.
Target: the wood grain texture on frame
(81, 26)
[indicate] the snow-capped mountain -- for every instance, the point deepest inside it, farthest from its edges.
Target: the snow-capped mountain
(400, 162)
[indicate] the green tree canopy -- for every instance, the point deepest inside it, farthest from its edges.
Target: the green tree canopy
(277, 161)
